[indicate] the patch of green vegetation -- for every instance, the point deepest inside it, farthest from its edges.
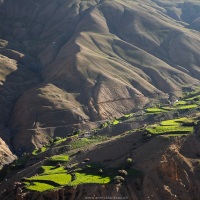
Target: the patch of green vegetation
(54, 181)
(38, 151)
(168, 108)
(115, 122)
(60, 158)
(53, 178)
(187, 107)
(190, 100)
(105, 124)
(174, 122)
(57, 177)
(192, 94)
(194, 98)
(86, 141)
(39, 187)
(43, 149)
(35, 152)
(128, 115)
(52, 170)
(180, 103)
(58, 141)
(129, 161)
(169, 123)
(95, 173)
(81, 143)
(174, 126)
(155, 110)
(179, 107)
(47, 182)
(170, 129)
(61, 179)
(83, 178)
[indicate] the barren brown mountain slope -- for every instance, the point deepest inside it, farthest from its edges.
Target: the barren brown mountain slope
(69, 61)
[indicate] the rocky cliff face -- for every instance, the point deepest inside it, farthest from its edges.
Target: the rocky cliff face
(6, 156)
(66, 62)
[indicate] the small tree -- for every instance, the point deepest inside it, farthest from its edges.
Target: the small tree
(57, 139)
(196, 99)
(86, 160)
(118, 179)
(58, 165)
(129, 162)
(51, 142)
(76, 132)
(73, 175)
(122, 173)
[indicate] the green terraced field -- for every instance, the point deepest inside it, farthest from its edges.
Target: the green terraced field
(54, 177)
(115, 122)
(40, 187)
(170, 129)
(178, 122)
(86, 141)
(47, 182)
(60, 158)
(187, 107)
(61, 179)
(155, 110)
(180, 103)
(59, 141)
(174, 126)
(38, 151)
(190, 100)
(52, 170)
(82, 178)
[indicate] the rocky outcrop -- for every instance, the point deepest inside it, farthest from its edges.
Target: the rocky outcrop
(169, 169)
(6, 156)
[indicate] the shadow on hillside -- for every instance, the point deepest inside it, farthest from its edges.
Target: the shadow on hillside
(26, 76)
(48, 182)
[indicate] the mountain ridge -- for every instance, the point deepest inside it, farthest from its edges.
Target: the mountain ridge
(83, 53)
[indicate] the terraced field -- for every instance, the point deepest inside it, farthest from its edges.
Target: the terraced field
(56, 176)
(175, 126)
(189, 101)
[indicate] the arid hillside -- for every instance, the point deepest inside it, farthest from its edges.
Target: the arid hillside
(67, 62)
